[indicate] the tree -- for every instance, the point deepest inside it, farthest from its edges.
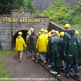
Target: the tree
(5, 6)
(17, 4)
(29, 5)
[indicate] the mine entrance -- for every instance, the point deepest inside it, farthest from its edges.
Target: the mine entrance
(24, 33)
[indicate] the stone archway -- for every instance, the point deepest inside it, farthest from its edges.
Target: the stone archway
(24, 32)
(19, 20)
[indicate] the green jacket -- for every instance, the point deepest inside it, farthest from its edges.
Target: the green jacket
(79, 48)
(71, 49)
(53, 47)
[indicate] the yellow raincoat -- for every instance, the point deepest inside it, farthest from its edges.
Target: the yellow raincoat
(42, 43)
(20, 44)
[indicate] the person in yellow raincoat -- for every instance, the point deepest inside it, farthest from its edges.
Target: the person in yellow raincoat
(57, 33)
(41, 46)
(20, 45)
(46, 33)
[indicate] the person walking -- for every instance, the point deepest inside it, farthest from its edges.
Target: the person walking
(79, 47)
(53, 50)
(32, 39)
(41, 45)
(20, 45)
(71, 55)
(62, 50)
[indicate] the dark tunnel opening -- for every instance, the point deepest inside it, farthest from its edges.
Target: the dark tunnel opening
(24, 33)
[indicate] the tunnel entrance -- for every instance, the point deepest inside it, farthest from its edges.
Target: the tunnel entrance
(24, 33)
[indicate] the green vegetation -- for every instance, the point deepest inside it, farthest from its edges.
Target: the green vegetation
(17, 4)
(59, 11)
(62, 12)
(7, 5)
(29, 5)
(5, 52)
(3, 72)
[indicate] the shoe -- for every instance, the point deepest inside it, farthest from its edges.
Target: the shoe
(36, 61)
(49, 66)
(42, 64)
(58, 75)
(79, 67)
(76, 77)
(33, 58)
(67, 76)
(20, 60)
(53, 72)
(44, 61)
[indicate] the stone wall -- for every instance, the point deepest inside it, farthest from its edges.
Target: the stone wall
(5, 35)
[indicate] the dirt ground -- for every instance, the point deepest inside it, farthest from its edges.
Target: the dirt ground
(25, 69)
(28, 70)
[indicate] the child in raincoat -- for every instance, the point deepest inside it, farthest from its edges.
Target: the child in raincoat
(20, 45)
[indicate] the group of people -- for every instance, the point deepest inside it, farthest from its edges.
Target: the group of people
(60, 50)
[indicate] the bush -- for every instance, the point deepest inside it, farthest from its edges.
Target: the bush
(62, 13)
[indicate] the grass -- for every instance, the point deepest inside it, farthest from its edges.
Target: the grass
(5, 52)
(3, 72)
